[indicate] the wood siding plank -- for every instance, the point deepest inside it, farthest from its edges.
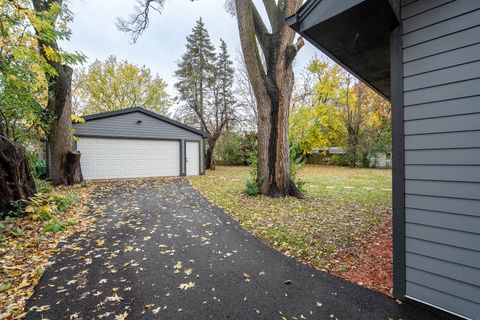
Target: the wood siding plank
(443, 76)
(444, 108)
(450, 205)
(438, 14)
(443, 157)
(442, 251)
(445, 220)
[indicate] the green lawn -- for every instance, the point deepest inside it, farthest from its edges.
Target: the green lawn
(341, 204)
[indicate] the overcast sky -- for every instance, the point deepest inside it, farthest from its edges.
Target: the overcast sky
(161, 46)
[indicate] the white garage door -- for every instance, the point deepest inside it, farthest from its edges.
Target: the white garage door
(128, 158)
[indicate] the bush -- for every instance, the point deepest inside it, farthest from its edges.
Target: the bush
(43, 186)
(45, 206)
(36, 164)
(235, 148)
(251, 188)
(18, 208)
(54, 226)
(297, 161)
(339, 160)
(64, 202)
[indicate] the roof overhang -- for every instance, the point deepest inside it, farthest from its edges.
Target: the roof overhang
(354, 33)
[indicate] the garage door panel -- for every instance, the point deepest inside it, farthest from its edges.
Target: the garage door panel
(104, 158)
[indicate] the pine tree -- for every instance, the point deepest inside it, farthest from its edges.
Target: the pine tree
(225, 77)
(195, 73)
(205, 86)
(223, 105)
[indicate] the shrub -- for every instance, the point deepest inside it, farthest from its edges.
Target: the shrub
(43, 186)
(44, 206)
(251, 188)
(297, 161)
(234, 148)
(339, 160)
(54, 226)
(18, 208)
(229, 149)
(64, 202)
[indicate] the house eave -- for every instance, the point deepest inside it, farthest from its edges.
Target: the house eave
(359, 45)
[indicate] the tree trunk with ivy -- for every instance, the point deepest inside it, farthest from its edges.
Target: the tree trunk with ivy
(64, 168)
(273, 85)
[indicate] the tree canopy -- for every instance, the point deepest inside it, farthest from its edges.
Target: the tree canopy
(111, 85)
(335, 109)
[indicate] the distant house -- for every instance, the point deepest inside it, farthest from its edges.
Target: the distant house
(424, 56)
(324, 155)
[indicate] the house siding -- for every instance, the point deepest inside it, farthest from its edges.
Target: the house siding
(125, 125)
(441, 66)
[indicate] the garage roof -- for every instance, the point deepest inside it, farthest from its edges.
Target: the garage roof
(108, 114)
(354, 33)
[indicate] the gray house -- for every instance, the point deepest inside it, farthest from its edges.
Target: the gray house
(135, 142)
(423, 55)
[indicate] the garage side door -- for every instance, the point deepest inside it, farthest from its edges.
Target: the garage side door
(128, 158)
(193, 158)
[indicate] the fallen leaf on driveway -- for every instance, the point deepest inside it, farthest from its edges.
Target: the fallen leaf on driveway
(122, 316)
(185, 286)
(114, 298)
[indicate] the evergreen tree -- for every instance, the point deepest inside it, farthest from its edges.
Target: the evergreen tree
(225, 74)
(195, 73)
(221, 111)
(205, 86)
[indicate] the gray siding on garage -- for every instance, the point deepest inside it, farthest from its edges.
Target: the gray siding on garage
(441, 55)
(125, 125)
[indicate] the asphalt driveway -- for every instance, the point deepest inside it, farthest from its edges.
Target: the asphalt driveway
(160, 250)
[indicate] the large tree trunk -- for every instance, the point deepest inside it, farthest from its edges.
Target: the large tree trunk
(273, 88)
(60, 106)
(61, 134)
(16, 181)
(209, 158)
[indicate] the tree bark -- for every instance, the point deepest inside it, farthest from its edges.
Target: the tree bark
(61, 134)
(210, 158)
(272, 85)
(59, 105)
(16, 181)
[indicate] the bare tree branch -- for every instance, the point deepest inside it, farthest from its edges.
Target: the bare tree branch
(138, 22)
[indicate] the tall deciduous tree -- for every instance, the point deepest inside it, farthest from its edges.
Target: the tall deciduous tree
(272, 82)
(334, 109)
(48, 20)
(113, 85)
(22, 80)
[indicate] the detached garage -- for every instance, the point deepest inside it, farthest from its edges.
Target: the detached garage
(135, 142)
